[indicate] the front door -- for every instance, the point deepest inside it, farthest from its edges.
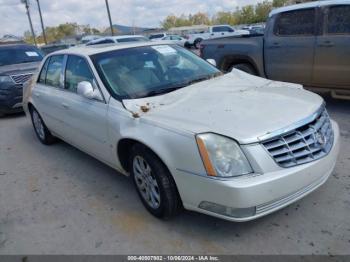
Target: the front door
(289, 46)
(85, 119)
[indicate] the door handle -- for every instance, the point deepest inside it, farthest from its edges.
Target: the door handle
(326, 44)
(275, 45)
(65, 105)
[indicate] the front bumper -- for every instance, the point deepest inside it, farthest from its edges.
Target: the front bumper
(264, 193)
(11, 98)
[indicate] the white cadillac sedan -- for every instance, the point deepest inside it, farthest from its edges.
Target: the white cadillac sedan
(233, 146)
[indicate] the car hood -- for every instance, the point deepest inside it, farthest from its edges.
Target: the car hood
(18, 69)
(237, 105)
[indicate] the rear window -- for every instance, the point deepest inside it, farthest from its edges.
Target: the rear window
(54, 71)
(132, 39)
(296, 23)
(222, 29)
(156, 36)
(11, 55)
(339, 20)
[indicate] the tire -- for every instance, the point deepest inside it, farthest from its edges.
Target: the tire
(41, 131)
(197, 43)
(187, 45)
(243, 67)
(154, 183)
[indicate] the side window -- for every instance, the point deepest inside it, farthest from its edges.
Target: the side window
(77, 70)
(216, 29)
(54, 70)
(42, 76)
(106, 41)
(296, 23)
(339, 20)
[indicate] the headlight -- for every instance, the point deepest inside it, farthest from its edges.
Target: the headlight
(5, 79)
(222, 156)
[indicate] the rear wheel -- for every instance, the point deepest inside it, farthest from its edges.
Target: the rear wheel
(40, 128)
(243, 67)
(154, 183)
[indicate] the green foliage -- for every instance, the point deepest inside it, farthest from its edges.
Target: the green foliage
(196, 19)
(248, 14)
(55, 33)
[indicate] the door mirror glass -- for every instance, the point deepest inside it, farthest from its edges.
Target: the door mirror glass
(211, 61)
(85, 89)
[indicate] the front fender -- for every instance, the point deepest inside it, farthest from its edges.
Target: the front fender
(177, 150)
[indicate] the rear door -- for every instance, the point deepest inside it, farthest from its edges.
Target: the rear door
(289, 46)
(47, 92)
(332, 58)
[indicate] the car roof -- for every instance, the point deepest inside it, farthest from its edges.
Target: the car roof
(96, 49)
(114, 38)
(16, 45)
(308, 5)
(123, 36)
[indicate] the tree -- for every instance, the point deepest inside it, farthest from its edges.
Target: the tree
(279, 3)
(246, 15)
(224, 18)
(262, 11)
(199, 19)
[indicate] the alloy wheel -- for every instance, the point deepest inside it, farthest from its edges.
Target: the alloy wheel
(146, 182)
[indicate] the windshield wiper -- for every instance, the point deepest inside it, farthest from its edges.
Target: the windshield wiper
(180, 85)
(162, 91)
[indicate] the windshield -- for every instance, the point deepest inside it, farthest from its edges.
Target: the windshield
(150, 70)
(132, 39)
(10, 55)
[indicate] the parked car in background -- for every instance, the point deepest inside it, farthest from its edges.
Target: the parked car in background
(306, 44)
(213, 32)
(175, 39)
(157, 36)
(47, 49)
(18, 63)
(87, 38)
(118, 39)
(233, 146)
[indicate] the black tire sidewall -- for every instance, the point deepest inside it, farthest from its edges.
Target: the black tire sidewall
(160, 173)
(48, 139)
(197, 42)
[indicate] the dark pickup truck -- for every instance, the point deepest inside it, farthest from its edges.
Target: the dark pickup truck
(307, 44)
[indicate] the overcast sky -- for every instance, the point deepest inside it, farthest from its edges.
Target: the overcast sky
(148, 13)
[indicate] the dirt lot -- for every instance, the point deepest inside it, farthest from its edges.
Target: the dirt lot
(58, 200)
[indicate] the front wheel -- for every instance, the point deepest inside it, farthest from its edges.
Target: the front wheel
(154, 183)
(40, 128)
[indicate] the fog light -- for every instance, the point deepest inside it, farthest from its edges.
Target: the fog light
(228, 211)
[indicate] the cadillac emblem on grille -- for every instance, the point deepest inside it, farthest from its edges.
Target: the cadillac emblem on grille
(308, 142)
(320, 139)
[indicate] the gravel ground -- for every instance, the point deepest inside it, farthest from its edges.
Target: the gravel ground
(58, 200)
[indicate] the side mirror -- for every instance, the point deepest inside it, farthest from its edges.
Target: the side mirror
(211, 61)
(85, 89)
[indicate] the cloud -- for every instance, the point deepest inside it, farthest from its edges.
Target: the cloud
(147, 13)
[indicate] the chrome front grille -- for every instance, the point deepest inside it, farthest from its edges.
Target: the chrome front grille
(20, 79)
(303, 144)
